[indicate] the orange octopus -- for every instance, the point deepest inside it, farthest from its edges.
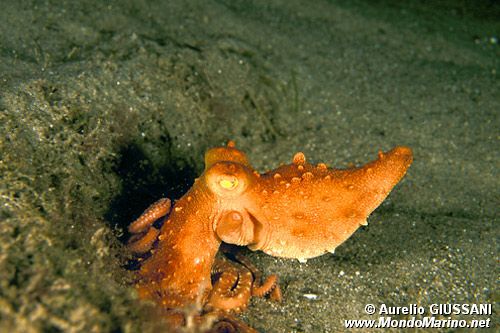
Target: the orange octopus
(297, 211)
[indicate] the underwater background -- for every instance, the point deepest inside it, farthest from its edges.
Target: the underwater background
(106, 106)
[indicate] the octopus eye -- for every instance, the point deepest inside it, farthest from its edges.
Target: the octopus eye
(227, 179)
(229, 184)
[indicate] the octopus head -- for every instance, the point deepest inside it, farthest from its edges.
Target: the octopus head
(228, 179)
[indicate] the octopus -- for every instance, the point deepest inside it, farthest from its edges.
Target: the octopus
(298, 210)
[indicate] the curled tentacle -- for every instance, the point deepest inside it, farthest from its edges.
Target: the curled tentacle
(142, 243)
(232, 289)
(268, 287)
(230, 324)
(158, 209)
(144, 234)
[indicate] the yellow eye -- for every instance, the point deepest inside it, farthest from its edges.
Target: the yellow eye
(229, 184)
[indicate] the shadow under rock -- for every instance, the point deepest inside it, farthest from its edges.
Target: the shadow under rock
(144, 183)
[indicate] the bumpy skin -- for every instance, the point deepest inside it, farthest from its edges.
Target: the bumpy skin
(296, 211)
(302, 211)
